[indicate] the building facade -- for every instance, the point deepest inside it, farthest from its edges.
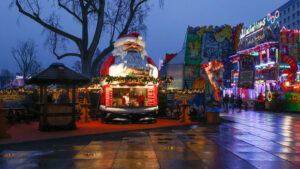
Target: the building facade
(290, 14)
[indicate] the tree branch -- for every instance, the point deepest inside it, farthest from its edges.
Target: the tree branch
(69, 11)
(98, 29)
(36, 18)
(131, 16)
(90, 3)
(115, 22)
(64, 55)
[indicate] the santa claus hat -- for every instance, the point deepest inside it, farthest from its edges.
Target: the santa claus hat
(133, 37)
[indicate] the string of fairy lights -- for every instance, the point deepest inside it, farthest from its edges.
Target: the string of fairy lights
(137, 80)
(131, 80)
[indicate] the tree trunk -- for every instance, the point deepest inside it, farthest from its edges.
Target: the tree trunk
(86, 65)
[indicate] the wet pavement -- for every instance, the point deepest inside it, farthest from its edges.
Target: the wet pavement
(244, 140)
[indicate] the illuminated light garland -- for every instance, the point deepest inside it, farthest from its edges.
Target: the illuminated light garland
(273, 19)
(277, 13)
(183, 92)
(269, 96)
(269, 17)
(131, 80)
(254, 32)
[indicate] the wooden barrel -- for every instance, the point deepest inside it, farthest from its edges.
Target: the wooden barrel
(57, 117)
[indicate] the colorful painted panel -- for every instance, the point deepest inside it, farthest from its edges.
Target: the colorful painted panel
(204, 44)
(247, 71)
(290, 43)
(211, 48)
(193, 49)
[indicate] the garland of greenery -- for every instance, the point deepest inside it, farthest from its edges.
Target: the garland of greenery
(132, 80)
(138, 80)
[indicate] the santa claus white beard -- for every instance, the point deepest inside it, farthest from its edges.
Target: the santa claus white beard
(132, 60)
(125, 59)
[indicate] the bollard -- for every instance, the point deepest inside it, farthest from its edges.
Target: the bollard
(213, 116)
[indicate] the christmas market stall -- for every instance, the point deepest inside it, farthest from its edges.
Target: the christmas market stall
(59, 113)
(129, 81)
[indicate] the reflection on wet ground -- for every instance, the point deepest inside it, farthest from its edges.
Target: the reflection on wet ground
(251, 140)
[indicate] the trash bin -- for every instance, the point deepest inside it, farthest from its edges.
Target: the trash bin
(213, 116)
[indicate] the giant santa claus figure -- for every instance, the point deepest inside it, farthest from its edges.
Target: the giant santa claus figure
(129, 56)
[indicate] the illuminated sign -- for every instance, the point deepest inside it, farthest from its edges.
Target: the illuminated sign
(252, 28)
(258, 26)
(271, 18)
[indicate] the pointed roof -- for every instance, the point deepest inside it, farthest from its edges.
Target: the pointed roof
(169, 57)
(179, 58)
(58, 73)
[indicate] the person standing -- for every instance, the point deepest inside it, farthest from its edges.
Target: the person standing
(239, 102)
(125, 100)
(225, 103)
(232, 102)
(140, 99)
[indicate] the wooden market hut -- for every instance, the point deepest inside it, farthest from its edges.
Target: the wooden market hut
(56, 116)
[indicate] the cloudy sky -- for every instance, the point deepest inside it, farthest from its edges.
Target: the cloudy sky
(166, 26)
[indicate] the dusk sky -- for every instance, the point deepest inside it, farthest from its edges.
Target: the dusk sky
(166, 26)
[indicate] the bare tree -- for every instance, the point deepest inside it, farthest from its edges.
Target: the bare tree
(117, 17)
(35, 68)
(26, 58)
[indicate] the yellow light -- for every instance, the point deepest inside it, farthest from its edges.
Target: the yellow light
(287, 83)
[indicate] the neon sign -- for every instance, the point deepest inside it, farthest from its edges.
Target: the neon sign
(257, 26)
(253, 28)
(271, 18)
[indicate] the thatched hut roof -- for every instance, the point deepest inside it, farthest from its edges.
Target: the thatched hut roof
(58, 73)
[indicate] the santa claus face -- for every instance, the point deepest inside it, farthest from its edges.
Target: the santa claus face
(132, 47)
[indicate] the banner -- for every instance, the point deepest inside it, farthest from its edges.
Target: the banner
(292, 101)
(247, 71)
